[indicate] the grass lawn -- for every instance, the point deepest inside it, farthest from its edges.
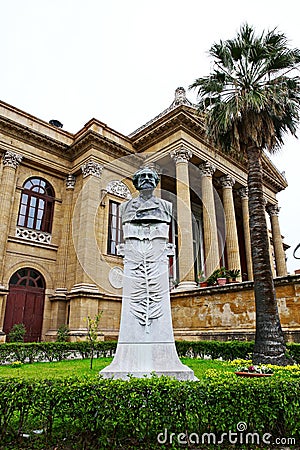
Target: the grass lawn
(80, 368)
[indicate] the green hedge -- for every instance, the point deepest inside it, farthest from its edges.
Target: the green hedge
(228, 350)
(130, 414)
(56, 351)
(52, 351)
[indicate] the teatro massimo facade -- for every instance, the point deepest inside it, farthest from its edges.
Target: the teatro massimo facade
(60, 225)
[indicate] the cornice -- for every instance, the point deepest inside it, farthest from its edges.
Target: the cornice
(272, 176)
(182, 117)
(32, 137)
(91, 139)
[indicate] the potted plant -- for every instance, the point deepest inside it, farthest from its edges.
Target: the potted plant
(201, 279)
(254, 371)
(222, 277)
(232, 275)
(212, 279)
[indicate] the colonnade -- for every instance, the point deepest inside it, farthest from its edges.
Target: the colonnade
(212, 250)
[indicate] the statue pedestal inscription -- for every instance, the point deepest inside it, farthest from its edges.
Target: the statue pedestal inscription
(146, 341)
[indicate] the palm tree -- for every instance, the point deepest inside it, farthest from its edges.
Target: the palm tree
(249, 101)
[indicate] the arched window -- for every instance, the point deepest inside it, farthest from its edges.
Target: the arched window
(36, 207)
(27, 277)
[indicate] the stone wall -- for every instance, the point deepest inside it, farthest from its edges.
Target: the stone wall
(228, 312)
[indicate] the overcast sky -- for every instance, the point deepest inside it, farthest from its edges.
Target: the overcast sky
(120, 61)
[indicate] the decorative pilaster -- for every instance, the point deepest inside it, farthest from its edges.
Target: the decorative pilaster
(84, 219)
(181, 157)
(11, 161)
(83, 302)
(273, 211)
(209, 218)
(243, 193)
(62, 253)
(232, 244)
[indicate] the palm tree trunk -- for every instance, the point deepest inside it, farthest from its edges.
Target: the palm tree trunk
(269, 345)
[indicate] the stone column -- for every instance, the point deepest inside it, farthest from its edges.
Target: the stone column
(243, 193)
(181, 157)
(273, 212)
(59, 299)
(84, 222)
(11, 162)
(210, 232)
(83, 295)
(232, 242)
(62, 254)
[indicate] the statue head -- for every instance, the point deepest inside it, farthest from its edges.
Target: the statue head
(145, 178)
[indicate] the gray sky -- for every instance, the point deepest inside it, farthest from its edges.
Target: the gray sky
(120, 61)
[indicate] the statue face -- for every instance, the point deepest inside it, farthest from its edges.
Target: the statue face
(146, 180)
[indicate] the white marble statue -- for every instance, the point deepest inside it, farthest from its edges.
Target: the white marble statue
(146, 341)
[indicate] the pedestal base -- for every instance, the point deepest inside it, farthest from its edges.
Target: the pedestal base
(186, 285)
(144, 359)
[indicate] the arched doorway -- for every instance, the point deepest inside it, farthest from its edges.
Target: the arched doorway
(25, 303)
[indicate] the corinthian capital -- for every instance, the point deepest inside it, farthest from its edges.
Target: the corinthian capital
(243, 192)
(91, 168)
(227, 181)
(12, 159)
(181, 155)
(272, 210)
(70, 181)
(207, 169)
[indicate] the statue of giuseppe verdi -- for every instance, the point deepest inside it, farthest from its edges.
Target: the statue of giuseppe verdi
(146, 208)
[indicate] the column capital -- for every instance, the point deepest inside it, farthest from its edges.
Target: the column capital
(91, 168)
(12, 159)
(70, 181)
(272, 210)
(227, 181)
(207, 169)
(243, 192)
(181, 155)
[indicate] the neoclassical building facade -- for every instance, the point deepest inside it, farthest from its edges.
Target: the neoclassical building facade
(60, 225)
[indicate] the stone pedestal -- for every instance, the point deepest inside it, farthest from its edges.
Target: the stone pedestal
(146, 341)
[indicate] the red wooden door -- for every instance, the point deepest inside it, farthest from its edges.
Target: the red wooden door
(25, 303)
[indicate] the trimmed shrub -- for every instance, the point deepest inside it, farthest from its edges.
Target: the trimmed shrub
(133, 414)
(17, 333)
